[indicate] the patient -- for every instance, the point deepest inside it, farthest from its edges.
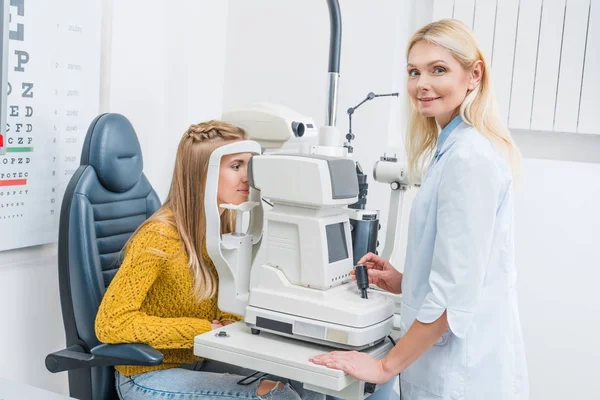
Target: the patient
(165, 292)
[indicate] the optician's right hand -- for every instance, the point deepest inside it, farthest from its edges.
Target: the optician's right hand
(381, 273)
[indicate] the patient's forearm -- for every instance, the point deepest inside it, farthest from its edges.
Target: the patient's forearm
(413, 344)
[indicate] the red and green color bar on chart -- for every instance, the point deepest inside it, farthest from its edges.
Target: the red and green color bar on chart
(13, 182)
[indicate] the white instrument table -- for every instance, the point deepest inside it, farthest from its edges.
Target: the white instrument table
(284, 357)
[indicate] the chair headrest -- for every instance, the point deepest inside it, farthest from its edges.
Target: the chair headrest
(112, 148)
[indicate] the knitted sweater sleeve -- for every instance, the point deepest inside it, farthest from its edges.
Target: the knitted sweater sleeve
(119, 318)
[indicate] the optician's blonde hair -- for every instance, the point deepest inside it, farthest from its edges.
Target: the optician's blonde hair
(184, 207)
(478, 109)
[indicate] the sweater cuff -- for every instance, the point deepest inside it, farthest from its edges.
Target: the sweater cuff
(223, 316)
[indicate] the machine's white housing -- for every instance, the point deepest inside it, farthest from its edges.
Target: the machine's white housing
(280, 129)
(275, 126)
(337, 317)
(308, 218)
(304, 288)
(300, 283)
(304, 181)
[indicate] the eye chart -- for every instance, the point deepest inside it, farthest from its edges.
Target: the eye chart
(53, 95)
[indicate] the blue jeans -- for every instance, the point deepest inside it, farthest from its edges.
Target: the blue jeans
(204, 380)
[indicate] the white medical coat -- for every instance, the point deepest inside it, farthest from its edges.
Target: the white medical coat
(460, 259)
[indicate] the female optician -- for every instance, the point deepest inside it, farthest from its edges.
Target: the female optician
(461, 335)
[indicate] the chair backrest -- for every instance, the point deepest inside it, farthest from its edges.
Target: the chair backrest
(106, 200)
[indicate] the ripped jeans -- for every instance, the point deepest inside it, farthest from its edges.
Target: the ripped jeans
(204, 380)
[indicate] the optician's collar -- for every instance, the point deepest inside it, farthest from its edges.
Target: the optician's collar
(445, 133)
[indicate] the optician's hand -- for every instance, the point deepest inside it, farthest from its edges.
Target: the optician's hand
(381, 273)
(359, 365)
(215, 325)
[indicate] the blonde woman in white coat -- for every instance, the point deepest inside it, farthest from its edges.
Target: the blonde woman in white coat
(461, 335)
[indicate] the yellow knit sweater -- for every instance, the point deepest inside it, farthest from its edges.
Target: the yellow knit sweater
(150, 300)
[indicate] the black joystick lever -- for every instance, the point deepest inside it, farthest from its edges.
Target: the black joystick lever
(362, 280)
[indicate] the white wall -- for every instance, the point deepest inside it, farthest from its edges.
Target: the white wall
(31, 317)
(557, 222)
(167, 73)
(277, 52)
(163, 68)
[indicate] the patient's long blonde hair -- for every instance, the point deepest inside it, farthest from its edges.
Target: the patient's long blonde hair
(184, 207)
(479, 108)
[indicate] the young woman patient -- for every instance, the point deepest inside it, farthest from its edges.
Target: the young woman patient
(165, 292)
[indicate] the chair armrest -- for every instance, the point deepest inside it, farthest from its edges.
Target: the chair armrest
(104, 355)
(130, 353)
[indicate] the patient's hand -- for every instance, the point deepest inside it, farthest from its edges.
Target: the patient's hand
(227, 322)
(215, 325)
